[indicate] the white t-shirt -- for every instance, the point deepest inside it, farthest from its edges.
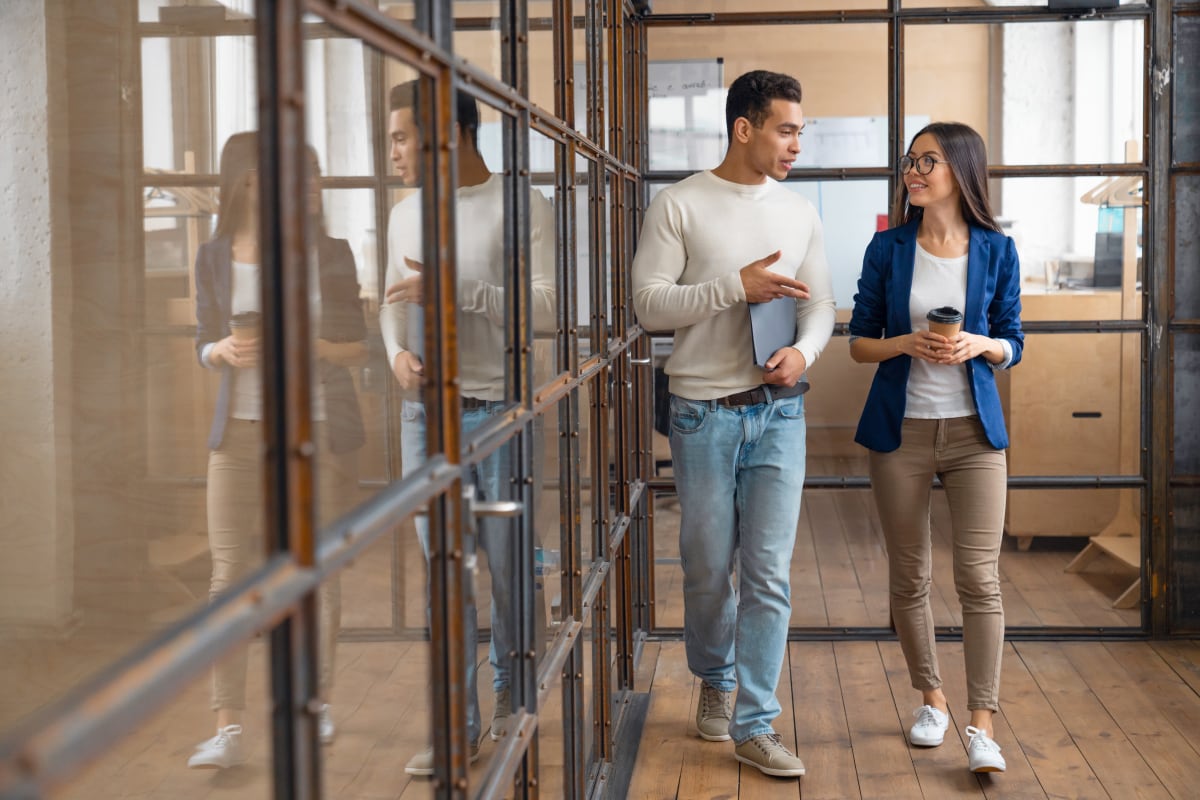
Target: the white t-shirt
(937, 391)
(246, 400)
(696, 237)
(481, 279)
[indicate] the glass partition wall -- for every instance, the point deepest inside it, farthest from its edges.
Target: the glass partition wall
(338, 394)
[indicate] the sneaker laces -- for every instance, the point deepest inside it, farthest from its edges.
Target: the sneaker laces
(980, 740)
(771, 743)
(713, 699)
(224, 736)
(925, 716)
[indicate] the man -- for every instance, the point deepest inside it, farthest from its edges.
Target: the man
(710, 245)
(482, 345)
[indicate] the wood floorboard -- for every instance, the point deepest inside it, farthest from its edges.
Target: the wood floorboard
(753, 785)
(660, 756)
(1184, 657)
(1171, 756)
(1019, 779)
(844, 601)
(884, 766)
(1113, 758)
(940, 770)
(822, 731)
(808, 601)
(1040, 736)
(1078, 720)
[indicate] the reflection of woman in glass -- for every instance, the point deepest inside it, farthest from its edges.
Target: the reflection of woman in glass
(933, 409)
(228, 340)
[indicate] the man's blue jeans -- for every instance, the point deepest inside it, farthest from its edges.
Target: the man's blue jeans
(739, 472)
(492, 481)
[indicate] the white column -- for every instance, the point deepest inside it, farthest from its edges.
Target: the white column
(36, 529)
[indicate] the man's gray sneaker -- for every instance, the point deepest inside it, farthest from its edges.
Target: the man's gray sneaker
(713, 713)
(422, 762)
(767, 753)
(500, 713)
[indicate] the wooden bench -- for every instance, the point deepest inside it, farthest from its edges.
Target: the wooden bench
(1125, 549)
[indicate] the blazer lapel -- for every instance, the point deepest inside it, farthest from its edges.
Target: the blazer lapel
(223, 278)
(904, 255)
(977, 266)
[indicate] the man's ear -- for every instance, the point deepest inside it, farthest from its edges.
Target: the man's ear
(741, 129)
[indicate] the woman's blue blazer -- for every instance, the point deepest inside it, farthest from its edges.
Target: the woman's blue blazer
(341, 321)
(881, 308)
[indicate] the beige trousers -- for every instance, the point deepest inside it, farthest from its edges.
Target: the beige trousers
(974, 475)
(235, 540)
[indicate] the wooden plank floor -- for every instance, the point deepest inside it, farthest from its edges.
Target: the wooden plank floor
(839, 571)
(1079, 719)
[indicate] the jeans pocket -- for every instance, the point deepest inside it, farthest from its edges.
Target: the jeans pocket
(791, 407)
(411, 411)
(687, 416)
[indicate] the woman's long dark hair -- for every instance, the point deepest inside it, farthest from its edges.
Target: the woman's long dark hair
(967, 159)
(239, 157)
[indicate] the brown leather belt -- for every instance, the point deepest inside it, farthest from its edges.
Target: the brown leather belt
(762, 394)
(474, 403)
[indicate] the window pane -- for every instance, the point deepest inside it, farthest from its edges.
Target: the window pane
(851, 212)
(1075, 238)
(1187, 403)
(729, 6)
(1185, 86)
(1186, 561)
(842, 69)
(154, 758)
(976, 3)
(1186, 210)
(588, 262)
(1083, 107)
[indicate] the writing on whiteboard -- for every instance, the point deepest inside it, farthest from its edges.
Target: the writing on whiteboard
(683, 78)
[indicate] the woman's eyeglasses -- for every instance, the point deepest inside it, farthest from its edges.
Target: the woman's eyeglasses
(924, 165)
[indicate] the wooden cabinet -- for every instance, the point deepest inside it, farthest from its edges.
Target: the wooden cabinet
(1073, 406)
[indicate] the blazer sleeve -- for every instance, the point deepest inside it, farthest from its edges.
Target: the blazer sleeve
(1004, 312)
(209, 325)
(342, 313)
(869, 318)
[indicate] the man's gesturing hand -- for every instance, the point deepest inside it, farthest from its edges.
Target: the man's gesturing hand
(409, 290)
(762, 285)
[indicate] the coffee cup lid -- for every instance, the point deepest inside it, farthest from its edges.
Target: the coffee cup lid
(945, 314)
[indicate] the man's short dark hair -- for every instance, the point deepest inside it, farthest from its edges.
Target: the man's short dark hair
(407, 94)
(751, 94)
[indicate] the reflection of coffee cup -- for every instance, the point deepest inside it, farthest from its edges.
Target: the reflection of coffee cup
(245, 325)
(945, 321)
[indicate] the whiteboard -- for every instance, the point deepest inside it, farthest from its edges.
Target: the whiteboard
(685, 78)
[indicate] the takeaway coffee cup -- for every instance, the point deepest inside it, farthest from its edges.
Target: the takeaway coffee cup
(245, 325)
(945, 321)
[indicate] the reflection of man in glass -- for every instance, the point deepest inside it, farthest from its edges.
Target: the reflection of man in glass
(482, 348)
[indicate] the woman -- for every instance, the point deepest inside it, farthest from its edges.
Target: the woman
(227, 286)
(933, 409)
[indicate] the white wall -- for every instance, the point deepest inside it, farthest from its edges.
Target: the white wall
(36, 536)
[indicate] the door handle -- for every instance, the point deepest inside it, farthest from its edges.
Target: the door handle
(475, 508)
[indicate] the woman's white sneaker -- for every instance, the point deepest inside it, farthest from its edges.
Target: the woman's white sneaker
(983, 754)
(221, 751)
(930, 728)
